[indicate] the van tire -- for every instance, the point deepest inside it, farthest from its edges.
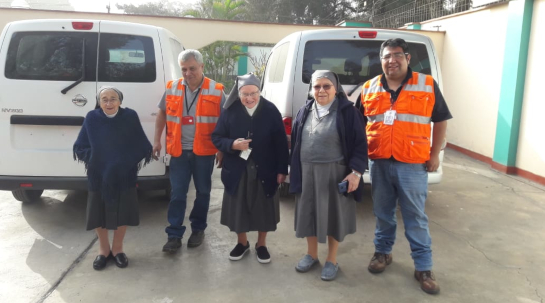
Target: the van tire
(284, 190)
(27, 195)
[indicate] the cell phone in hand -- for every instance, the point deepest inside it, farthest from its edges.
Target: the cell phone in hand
(343, 187)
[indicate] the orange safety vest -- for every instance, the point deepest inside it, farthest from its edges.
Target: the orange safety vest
(207, 115)
(408, 139)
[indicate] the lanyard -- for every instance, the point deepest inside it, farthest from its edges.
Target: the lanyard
(188, 107)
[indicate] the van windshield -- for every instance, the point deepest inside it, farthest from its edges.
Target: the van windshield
(355, 61)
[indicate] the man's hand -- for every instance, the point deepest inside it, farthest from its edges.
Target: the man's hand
(433, 163)
(280, 178)
(353, 182)
(219, 159)
(156, 150)
(241, 144)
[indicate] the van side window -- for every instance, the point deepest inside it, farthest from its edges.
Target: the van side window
(277, 64)
(355, 61)
(176, 48)
(126, 58)
(53, 56)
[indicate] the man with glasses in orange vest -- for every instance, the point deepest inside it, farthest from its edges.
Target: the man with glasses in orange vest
(190, 109)
(400, 106)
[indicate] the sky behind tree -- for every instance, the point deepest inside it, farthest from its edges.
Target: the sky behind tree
(100, 5)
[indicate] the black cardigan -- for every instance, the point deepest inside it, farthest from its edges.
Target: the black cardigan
(269, 144)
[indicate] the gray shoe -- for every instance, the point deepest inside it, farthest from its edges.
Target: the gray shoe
(329, 272)
(306, 263)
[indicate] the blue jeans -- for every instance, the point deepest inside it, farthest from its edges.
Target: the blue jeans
(181, 170)
(394, 181)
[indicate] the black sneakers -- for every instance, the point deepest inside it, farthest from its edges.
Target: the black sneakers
(172, 245)
(239, 251)
(196, 238)
(263, 255)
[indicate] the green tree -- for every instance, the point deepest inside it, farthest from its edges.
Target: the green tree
(220, 57)
(160, 8)
(218, 9)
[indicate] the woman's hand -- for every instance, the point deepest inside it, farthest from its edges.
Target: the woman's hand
(280, 178)
(156, 150)
(353, 182)
(241, 144)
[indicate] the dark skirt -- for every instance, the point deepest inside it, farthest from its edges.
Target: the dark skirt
(320, 210)
(250, 209)
(125, 214)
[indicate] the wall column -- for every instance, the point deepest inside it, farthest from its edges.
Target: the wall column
(512, 84)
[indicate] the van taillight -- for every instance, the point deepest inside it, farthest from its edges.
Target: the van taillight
(367, 34)
(287, 125)
(25, 185)
(82, 25)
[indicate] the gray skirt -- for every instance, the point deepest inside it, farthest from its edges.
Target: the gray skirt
(250, 209)
(126, 213)
(320, 210)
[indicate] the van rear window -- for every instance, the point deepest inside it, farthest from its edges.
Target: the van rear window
(53, 56)
(277, 63)
(355, 61)
(126, 58)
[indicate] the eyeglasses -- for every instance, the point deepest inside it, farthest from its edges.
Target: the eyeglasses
(395, 55)
(253, 95)
(111, 101)
(325, 87)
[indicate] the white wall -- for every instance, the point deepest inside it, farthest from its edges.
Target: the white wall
(471, 66)
(531, 149)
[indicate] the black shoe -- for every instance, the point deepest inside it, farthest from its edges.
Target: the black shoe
(263, 255)
(172, 245)
(101, 261)
(196, 238)
(121, 260)
(239, 251)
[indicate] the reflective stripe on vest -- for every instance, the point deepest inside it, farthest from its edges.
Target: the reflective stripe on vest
(374, 87)
(173, 119)
(205, 119)
(401, 117)
(420, 86)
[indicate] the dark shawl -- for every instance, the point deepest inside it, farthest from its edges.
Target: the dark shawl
(112, 150)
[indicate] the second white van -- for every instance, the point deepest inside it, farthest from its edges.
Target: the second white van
(352, 53)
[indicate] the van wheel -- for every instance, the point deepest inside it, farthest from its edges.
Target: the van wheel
(284, 190)
(27, 195)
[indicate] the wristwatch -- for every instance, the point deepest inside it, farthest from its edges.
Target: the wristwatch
(357, 174)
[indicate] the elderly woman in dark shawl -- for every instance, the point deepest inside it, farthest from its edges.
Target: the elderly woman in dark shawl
(251, 135)
(328, 146)
(113, 146)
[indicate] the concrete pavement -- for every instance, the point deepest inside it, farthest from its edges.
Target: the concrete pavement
(488, 232)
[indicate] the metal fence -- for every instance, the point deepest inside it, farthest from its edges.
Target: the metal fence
(418, 11)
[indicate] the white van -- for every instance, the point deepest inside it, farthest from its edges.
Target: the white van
(352, 53)
(51, 71)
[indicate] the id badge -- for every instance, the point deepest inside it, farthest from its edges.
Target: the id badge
(389, 117)
(245, 153)
(188, 120)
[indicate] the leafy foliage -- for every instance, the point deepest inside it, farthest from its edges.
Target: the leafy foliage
(159, 8)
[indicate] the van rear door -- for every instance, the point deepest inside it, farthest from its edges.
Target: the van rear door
(48, 86)
(130, 59)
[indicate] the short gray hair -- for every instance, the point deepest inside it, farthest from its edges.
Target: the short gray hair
(188, 54)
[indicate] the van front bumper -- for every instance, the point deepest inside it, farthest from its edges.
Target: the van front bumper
(73, 183)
